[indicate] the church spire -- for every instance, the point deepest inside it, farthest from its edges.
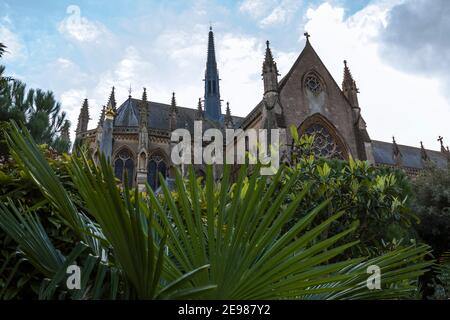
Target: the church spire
(143, 110)
(212, 90)
(101, 119)
(173, 113)
(349, 87)
(270, 71)
(228, 121)
(112, 100)
(83, 118)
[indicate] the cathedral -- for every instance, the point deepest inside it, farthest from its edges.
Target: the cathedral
(135, 136)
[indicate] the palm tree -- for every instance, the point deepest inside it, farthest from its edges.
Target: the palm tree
(222, 240)
(2, 49)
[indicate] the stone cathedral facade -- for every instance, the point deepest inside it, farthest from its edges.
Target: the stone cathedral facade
(135, 136)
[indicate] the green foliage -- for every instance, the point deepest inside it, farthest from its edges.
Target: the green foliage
(432, 205)
(431, 202)
(376, 197)
(18, 279)
(37, 109)
(2, 49)
(241, 233)
(219, 240)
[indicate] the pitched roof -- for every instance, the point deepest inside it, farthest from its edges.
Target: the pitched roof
(158, 116)
(411, 156)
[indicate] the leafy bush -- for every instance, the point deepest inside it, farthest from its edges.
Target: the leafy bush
(376, 197)
(432, 204)
(19, 279)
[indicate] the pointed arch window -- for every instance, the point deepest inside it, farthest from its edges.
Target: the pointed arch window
(327, 142)
(124, 164)
(156, 165)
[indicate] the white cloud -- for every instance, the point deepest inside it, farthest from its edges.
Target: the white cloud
(256, 8)
(270, 12)
(281, 14)
(393, 102)
(80, 28)
(15, 49)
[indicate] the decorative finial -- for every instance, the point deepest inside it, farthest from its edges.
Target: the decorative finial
(174, 102)
(144, 94)
(421, 145)
(110, 113)
(267, 44)
(393, 139)
(307, 35)
(441, 140)
(129, 92)
(345, 63)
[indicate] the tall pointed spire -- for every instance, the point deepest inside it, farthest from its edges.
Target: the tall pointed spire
(143, 110)
(228, 121)
(173, 113)
(83, 118)
(349, 87)
(101, 119)
(112, 100)
(269, 71)
(212, 88)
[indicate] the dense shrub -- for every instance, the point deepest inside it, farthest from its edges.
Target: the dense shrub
(432, 204)
(18, 279)
(377, 197)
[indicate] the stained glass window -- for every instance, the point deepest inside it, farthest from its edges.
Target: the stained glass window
(124, 164)
(324, 145)
(156, 165)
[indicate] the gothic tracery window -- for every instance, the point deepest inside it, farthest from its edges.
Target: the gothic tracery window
(313, 84)
(325, 145)
(156, 165)
(124, 164)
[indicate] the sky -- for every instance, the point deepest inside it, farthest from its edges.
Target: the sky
(398, 52)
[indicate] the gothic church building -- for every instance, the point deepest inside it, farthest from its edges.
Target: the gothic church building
(136, 134)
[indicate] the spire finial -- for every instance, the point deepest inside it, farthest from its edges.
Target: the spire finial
(307, 35)
(129, 91)
(112, 99)
(110, 113)
(268, 44)
(228, 121)
(393, 139)
(144, 94)
(441, 140)
(174, 101)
